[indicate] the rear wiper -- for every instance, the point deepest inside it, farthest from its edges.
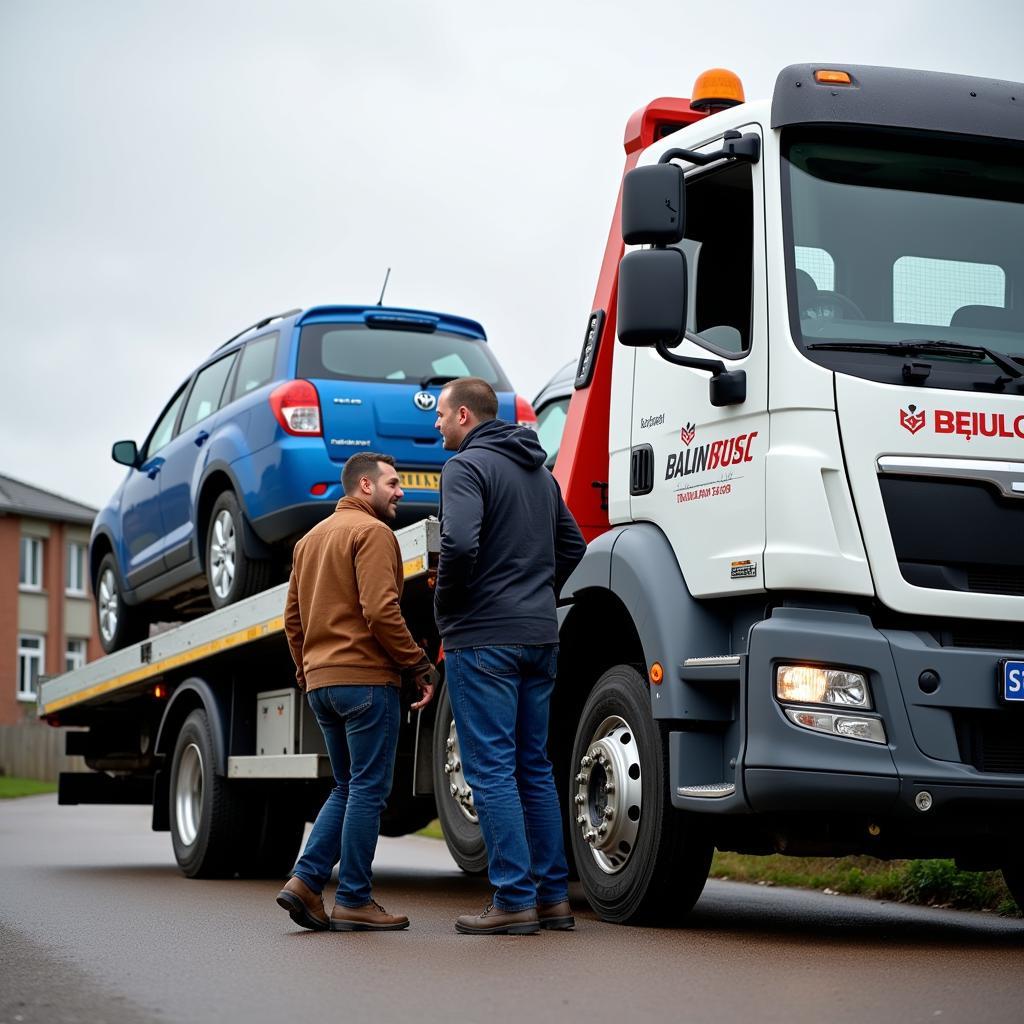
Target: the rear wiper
(437, 378)
(1010, 365)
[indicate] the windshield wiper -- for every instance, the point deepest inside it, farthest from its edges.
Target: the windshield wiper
(1010, 365)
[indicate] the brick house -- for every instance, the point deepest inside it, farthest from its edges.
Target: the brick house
(47, 618)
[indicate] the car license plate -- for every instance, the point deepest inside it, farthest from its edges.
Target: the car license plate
(420, 481)
(1012, 689)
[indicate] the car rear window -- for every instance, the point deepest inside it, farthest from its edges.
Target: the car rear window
(355, 352)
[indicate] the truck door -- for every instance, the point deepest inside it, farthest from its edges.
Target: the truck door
(709, 463)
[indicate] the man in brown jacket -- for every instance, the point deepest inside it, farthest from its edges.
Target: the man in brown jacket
(350, 645)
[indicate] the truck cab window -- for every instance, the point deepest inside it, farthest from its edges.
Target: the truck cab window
(932, 291)
(719, 247)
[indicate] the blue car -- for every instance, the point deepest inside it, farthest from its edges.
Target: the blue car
(248, 452)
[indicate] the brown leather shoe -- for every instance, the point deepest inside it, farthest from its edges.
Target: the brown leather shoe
(369, 918)
(499, 922)
(556, 916)
(305, 907)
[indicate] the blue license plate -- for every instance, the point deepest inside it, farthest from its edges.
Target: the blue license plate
(1013, 681)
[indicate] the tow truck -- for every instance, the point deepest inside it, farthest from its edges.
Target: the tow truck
(794, 447)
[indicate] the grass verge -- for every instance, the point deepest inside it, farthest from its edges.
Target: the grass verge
(936, 883)
(11, 786)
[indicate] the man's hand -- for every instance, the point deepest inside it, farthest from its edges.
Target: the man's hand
(426, 682)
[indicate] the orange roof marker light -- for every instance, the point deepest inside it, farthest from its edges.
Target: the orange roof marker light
(716, 89)
(824, 76)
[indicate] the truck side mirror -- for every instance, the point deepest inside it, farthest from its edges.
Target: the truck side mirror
(652, 297)
(654, 205)
(125, 452)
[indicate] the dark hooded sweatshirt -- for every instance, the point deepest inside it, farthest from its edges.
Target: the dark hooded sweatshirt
(508, 542)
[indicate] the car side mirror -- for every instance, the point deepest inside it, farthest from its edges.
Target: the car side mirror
(654, 205)
(652, 297)
(125, 452)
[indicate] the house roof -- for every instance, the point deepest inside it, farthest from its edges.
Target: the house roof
(20, 498)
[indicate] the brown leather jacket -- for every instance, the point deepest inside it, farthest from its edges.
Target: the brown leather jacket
(342, 617)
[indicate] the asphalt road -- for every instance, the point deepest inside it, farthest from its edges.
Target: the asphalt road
(97, 925)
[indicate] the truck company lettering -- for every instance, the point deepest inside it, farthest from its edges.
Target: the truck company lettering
(964, 422)
(652, 421)
(716, 455)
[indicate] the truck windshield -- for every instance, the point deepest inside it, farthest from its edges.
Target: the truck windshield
(896, 237)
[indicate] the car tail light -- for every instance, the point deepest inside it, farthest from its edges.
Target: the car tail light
(525, 416)
(296, 406)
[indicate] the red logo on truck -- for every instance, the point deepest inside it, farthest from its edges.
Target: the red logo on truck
(911, 419)
(687, 433)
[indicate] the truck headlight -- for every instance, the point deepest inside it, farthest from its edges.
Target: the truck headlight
(811, 684)
(853, 727)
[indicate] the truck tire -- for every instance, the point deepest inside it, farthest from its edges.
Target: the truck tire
(230, 573)
(207, 815)
(638, 858)
(119, 624)
(455, 810)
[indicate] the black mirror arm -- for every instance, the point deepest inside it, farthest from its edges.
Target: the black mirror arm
(728, 387)
(713, 366)
(735, 147)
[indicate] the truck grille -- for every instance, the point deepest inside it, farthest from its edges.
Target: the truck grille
(961, 535)
(991, 741)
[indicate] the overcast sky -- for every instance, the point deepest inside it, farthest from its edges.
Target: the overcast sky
(172, 171)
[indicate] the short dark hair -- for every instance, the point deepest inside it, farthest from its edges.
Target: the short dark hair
(475, 394)
(360, 465)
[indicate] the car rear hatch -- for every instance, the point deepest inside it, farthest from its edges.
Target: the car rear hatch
(378, 372)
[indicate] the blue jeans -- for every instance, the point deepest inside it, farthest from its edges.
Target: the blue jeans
(500, 699)
(360, 727)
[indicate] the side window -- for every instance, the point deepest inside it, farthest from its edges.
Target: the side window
(256, 366)
(164, 429)
(930, 291)
(719, 247)
(207, 392)
(550, 425)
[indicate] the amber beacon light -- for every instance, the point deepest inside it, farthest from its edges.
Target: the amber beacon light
(716, 89)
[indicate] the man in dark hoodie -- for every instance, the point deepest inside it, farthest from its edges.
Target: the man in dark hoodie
(508, 543)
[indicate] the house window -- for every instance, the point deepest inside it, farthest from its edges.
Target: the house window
(74, 655)
(31, 566)
(74, 577)
(30, 664)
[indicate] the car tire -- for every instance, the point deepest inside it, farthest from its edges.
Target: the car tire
(230, 573)
(207, 814)
(459, 823)
(118, 624)
(639, 859)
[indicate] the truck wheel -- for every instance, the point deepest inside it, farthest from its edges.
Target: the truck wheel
(638, 858)
(119, 624)
(454, 798)
(206, 815)
(230, 573)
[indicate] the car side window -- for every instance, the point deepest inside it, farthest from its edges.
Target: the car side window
(207, 392)
(256, 365)
(550, 425)
(164, 429)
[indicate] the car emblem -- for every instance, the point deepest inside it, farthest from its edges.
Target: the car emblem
(424, 400)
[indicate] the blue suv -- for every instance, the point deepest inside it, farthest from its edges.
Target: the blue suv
(247, 454)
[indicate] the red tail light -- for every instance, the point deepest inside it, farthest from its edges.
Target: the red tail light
(296, 406)
(525, 416)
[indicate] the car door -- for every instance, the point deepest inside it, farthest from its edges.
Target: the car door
(142, 532)
(185, 456)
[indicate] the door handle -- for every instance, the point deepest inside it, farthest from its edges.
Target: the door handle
(200, 438)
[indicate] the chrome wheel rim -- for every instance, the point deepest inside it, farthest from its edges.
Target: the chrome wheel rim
(608, 801)
(107, 600)
(222, 553)
(458, 788)
(188, 794)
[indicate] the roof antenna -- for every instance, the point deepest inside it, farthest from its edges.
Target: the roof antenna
(380, 301)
